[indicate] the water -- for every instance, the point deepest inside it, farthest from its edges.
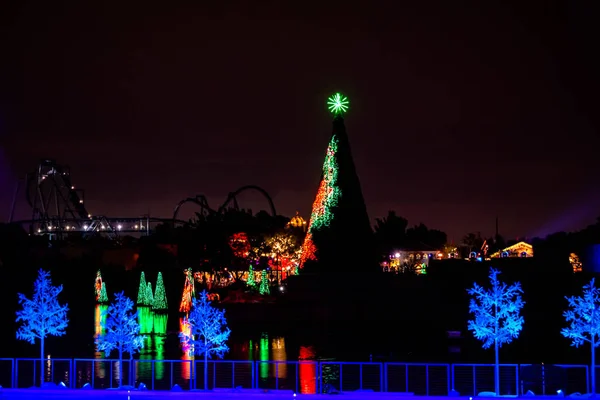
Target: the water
(160, 344)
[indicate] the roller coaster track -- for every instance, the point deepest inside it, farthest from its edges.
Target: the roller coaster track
(57, 207)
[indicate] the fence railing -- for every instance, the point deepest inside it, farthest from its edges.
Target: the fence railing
(303, 377)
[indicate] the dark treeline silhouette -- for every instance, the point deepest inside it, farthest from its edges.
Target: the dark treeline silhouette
(404, 316)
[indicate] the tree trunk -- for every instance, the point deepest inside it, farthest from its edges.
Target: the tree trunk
(42, 362)
(122, 371)
(497, 370)
(593, 343)
(205, 370)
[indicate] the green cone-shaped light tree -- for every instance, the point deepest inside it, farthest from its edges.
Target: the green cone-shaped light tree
(142, 290)
(160, 295)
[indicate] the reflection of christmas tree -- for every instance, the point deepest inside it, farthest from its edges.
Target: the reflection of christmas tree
(251, 282)
(141, 298)
(339, 236)
(103, 296)
(264, 283)
(160, 295)
(149, 295)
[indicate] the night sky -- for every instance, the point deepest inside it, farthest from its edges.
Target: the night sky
(459, 111)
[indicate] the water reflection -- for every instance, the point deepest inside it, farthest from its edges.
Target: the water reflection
(159, 345)
(280, 357)
(263, 355)
(267, 350)
(307, 370)
(146, 320)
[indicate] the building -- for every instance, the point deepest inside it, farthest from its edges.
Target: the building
(521, 249)
(414, 258)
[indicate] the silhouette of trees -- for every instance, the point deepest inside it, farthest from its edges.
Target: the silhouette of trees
(390, 232)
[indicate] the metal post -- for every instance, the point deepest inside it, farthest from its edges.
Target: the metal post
(297, 375)
(214, 374)
(34, 373)
(16, 374)
(382, 372)
(111, 373)
(342, 378)
(406, 378)
(452, 371)
(427, 380)
(360, 374)
(448, 371)
(171, 387)
(474, 382)
(52, 370)
(517, 383)
(152, 361)
(233, 374)
(252, 374)
(319, 378)
(276, 375)
(94, 375)
(193, 372)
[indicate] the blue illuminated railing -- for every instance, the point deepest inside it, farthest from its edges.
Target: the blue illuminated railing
(304, 377)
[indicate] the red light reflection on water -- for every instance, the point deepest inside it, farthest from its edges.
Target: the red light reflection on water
(307, 370)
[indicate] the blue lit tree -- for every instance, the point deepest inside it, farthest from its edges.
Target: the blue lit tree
(42, 315)
(121, 330)
(584, 318)
(497, 316)
(208, 332)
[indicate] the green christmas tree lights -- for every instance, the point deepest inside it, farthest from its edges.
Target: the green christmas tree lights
(264, 284)
(103, 296)
(338, 104)
(251, 282)
(160, 295)
(149, 295)
(142, 295)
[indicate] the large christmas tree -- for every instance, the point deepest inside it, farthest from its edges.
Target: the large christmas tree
(339, 234)
(160, 296)
(142, 298)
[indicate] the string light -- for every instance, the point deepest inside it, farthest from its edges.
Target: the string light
(327, 198)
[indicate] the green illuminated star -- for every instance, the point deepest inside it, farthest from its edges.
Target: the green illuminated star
(338, 104)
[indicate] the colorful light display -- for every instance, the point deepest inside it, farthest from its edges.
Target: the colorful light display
(338, 104)
(188, 292)
(264, 284)
(240, 246)
(141, 298)
(326, 199)
(160, 295)
(99, 288)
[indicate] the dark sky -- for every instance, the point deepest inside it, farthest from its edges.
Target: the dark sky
(460, 111)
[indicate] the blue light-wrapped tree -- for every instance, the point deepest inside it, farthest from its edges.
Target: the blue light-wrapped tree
(584, 319)
(497, 316)
(121, 329)
(42, 315)
(208, 332)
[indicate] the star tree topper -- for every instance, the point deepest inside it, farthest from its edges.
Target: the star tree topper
(338, 104)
